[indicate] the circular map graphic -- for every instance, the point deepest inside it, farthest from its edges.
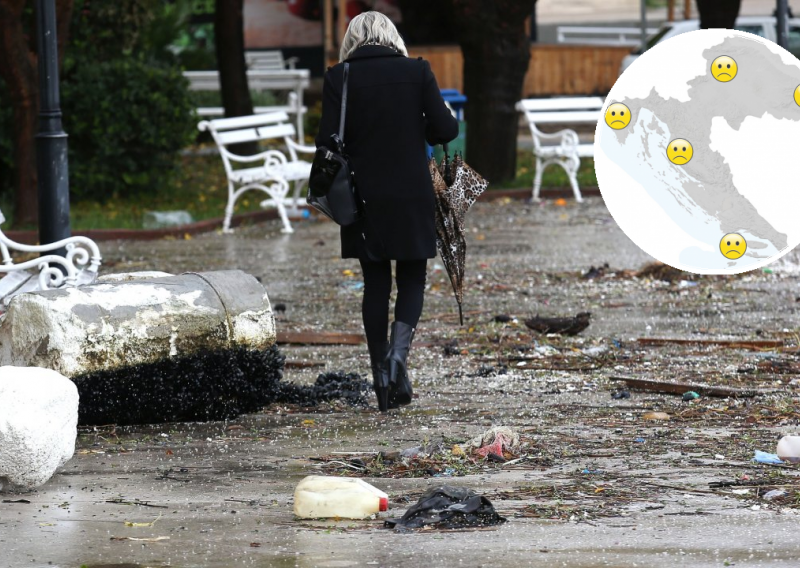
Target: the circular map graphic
(704, 176)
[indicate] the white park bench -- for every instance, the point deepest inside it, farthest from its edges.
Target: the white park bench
(275, 172)
(77, 268)
(563, 147)
(587, 35)
(293, 80)
(268, 60)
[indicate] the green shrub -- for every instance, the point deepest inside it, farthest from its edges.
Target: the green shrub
(127, 121)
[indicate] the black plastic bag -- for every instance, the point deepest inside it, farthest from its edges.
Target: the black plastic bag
(449, 507)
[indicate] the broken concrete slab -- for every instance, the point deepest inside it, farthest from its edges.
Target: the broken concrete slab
(111, 325)
(38, 425)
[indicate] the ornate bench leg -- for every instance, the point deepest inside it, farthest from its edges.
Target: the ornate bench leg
(537, 178)
(226, 224)
(572, 172)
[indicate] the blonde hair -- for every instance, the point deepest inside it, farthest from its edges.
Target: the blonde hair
(371, 28)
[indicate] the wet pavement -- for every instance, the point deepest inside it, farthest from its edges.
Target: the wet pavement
(594, 483)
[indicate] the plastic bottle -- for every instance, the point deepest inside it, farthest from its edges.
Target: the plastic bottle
(789, 449)
(318, 496)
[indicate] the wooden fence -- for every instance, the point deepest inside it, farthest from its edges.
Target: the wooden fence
(553, 70)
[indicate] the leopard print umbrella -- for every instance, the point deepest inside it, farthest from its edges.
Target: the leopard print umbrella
(456, 186)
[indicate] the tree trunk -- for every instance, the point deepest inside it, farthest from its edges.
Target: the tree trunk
(426, 23)
(496, 53)
(229, 43)
(718, 13)
(18, 68)
(229, 37)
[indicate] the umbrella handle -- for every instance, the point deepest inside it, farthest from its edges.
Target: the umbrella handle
(448, 174)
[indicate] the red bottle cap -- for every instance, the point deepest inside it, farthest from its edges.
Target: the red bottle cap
(384, 504)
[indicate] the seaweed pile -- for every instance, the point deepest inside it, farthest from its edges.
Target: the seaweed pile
(211, 385)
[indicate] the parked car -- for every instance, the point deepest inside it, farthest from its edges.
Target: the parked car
(763, 26)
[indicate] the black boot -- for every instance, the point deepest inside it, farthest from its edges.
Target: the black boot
(380, 378)
(400, 391)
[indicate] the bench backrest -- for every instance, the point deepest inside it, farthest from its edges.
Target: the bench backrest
(561, 110)
(253, 128)
(270, 60)
(257, 79)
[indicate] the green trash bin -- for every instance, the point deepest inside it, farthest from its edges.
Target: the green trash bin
(458, 145)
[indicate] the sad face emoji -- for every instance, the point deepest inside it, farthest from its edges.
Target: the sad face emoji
(679, 151)
(732, 246)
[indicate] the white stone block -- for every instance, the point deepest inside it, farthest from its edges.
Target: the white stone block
(38, 425)
(111, 325)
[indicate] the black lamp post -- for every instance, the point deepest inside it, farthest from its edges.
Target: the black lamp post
(51, 141)
(782, 22)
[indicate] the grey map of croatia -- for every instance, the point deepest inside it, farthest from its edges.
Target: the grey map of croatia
(763, 85)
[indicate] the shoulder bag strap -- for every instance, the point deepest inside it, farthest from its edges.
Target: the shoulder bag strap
(344, 103)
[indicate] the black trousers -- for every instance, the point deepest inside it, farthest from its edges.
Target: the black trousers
(410, 277)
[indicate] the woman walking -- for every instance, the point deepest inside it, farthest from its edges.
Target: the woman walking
(393, 107)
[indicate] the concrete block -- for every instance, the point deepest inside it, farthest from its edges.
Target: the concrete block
(109, 325)
(38, 425)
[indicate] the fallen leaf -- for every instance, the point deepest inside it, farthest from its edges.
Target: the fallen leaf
(150, 524)
(655, 416)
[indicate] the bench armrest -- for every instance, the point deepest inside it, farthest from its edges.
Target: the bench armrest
(268, 156)
(568, 138)
(300, 147)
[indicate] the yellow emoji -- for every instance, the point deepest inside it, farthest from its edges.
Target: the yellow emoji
(732, 245)
(724, 68)
(679, 151)
(797, 95)
(618, 116)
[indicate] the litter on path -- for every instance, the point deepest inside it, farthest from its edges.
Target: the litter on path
(448, 507)
(564, 326)
(681, 388)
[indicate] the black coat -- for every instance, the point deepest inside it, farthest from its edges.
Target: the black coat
(393, 107)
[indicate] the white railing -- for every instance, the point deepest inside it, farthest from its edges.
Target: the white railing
(585, 35)
(293, 80)
(54, 271)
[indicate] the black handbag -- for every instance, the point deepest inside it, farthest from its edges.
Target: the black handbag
(331, 187)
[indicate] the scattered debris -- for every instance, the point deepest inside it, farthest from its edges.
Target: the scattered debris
(774, 494)
(767, 458)
(681, 388)
(595, 272)
(451, 348)
(655, 416)
(146, 539)
(135, 502)
(501, 441)
(664, 272)
(619, 395)
(448, 507)
(349, 387)
(730, 343)
(319, 338)
(150, 524)
(564, 326)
